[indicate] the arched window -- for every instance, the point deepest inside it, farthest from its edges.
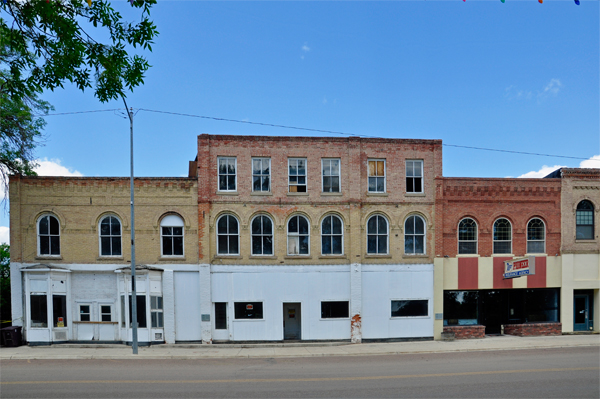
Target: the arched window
(414, 235)
(262, 235)
(585, 220)
(377, 235)
(298, 236)
(332, 236)
(467, 236)
(228, 237)
(502, 237)
(110, 236)
(536, 237)
(171, 235)
(48, 235)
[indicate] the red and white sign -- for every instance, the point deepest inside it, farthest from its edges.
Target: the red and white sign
(519, 267)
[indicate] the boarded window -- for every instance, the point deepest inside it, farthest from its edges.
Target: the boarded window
(410, 308)
(376, 176)
(248, 310)
(334, 309)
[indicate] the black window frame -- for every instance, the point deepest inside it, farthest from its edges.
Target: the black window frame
(241, 311)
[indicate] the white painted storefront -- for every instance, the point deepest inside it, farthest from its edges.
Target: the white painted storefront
(206, 303)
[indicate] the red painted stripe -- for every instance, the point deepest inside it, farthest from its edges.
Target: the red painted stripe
(499, 281)
(468, 273)
(538, 280)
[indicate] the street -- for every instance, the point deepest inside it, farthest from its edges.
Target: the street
(543, 373)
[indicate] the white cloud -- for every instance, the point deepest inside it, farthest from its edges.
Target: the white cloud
(53, 167)
(551, 89)
(4, 237)
(305, 48)
(543, 172)
(593, 162)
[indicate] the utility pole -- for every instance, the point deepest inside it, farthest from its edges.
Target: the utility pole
(134, 324)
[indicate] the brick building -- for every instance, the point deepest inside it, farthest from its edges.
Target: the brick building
(70, 255)
(329, 238)
(312, 238)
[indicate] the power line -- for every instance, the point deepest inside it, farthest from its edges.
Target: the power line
(320, 131)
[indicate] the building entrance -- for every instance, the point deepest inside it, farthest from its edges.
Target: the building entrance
(292, 321)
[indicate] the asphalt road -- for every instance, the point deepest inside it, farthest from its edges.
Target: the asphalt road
(544, 373)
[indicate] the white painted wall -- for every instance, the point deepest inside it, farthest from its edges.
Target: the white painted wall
(383, 283)
(187, 306)
(274, 285)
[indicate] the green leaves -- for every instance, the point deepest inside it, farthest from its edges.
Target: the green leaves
(60, 40)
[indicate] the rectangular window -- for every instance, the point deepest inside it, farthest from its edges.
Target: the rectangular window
(331, 175)
(39, 310)
(410, 308)
(172, 241)
(105, 313)
(141, 311)
(297, 175)
(261, 174)
(84, 313)
(156, 311)
(248, 310)
(377, 175)
(59, 310)
(335, 310)
(220, 315)
(227, 173)
(414, 176)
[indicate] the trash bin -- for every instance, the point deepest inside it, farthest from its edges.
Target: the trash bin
(11, 336)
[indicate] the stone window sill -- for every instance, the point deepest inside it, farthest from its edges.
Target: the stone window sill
(377, 256)
(234, 193)
(172, 258)
(101, 258)
(48, 257)
(297, 257)
(261, 193)
(327, 194)
(228, 257)
(291, 194)
(274, 257)
(415, 194)
(333, 257)
(373, 194)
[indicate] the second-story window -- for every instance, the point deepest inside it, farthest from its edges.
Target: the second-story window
(376, 175)
(298, 236)
(536, 236)
(332, 236)
(227, 174)
(377, 235)
(48, 236)
(171, 235)
(414, 176)
(228, 238)
(297, 175)
(262, 235)
(584, 221)
(467, 236)
(261, 174)
(110, 236)
(331, 175)
(414, 235)
(502, 237)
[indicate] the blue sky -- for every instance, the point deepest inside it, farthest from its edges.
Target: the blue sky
(518, 76)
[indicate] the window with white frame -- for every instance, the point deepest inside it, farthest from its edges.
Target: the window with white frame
(48, 236)
(156, 312)
(110, 236)
(410, 308)
(414, 176)
(298, 236)
(335, 309)
(38, 310)
(502, 236)
(262, 235)
(227, 173)
(105, 313)
(85, 312)
(536, 237)
(261, 174)
(377, 235)
(297, 175)
(332, 237)
(414, 235)
(376, 175)
(171, 234)
(331, 175)
(584, 221)
(467, 236)
(228, 236)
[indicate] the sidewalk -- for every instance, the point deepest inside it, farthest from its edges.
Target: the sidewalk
(197, 351)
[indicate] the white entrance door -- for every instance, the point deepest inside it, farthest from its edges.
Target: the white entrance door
(187, 306)
(292, 321)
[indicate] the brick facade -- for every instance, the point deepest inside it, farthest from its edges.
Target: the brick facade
(80, 203)
(354, 204)
(532, 329)
(466, 332)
